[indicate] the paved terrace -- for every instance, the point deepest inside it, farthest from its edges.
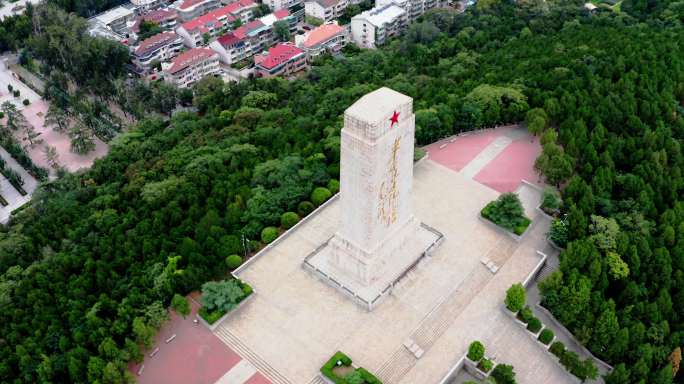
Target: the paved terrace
(295, 322)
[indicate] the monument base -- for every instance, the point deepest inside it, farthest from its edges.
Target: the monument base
(418, 244)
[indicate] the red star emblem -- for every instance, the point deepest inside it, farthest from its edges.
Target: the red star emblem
(394, 119)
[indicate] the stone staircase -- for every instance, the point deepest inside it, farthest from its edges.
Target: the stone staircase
(317, 380)
(260, 364)
(396, 367)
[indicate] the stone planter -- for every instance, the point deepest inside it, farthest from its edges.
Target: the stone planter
(212, 327)
(505, 231)
(471, 367)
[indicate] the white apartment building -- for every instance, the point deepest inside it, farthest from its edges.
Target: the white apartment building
(325, 10)
(231, 49)
(282, 4)
(325, 38)
(413, 8)
(374, 27)
(191, 9)
(191, 66)
(160, 47)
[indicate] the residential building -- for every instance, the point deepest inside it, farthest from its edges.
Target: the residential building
(374, 27)
(283, 4)
(165, 18)
(280, 15)
(414, 8)
(146, 5)
(326, 10)
(190, 9)
(115, 19)
(191, 66)
(160, 47)
(216, 22)
(282, 59)
(325, 38)
(231, 49)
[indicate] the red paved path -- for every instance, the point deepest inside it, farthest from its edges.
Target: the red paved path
(514, 164)
(458, 154)
(195, 356)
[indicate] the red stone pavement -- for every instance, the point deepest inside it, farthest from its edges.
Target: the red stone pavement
(514, 164)
(195, 356)
(464, 148)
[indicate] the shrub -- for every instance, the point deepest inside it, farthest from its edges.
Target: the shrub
(525, 315)
(570, 360)
(2, 115)
(233, 261)
(10, 87)
(269, 234)
(515, 297)
(210, 316)
(222, 295)
(546, 336)
(288, 220)
(26, 102)
(327, 368)
(320, 195)
(180, 304)
(557, 348)
(559, 232)
(507, 212)
(485, 365)
(550, 202)
(476, 351)
(503, 374)
(304, 208)
(334, 186)
(534, 325)
(16, 93)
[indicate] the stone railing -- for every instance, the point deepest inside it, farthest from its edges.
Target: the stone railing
(535, 271)
(454, 370)
(284, 235)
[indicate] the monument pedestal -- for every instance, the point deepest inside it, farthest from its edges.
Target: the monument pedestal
(367, 280)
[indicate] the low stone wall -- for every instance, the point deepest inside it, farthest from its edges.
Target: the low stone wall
(535, 271)
(570, 336)
(454, 370)
(243, 303)
(504, 231)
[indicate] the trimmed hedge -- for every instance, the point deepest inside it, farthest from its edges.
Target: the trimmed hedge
(334, 186)
(507, 212)
(525, 315)
(327, 370)
(213, 316)
(557, 348)
(485, 365)
(269, 234)
(233, 261)
(515, 297)
(476, 351)
(545, 336)
(320, 195)
(305, 207)
(534, 325)
(288, 220)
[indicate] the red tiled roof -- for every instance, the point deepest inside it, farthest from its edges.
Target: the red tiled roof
(278, 54)
(321, 34)
(154, 42)
(242, 31)
(160, 15)
(228, 40)
(189, 58)
(190, 3)
(239, 5)
(281, 13)
(210, 19)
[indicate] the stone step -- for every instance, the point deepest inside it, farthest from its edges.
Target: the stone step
(394, 369)
(238, 346)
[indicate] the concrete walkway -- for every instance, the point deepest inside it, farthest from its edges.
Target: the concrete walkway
(6, 78)
(487, 155)
(13, 197)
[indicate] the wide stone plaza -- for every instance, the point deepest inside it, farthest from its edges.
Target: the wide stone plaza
(296, 319)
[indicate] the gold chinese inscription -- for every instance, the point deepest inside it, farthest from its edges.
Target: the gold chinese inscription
(388, 195)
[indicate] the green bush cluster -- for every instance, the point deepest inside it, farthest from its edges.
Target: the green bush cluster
(515, 297)
(485, 365)
(582, 369)
(525, 315)
(550, 202)
(333, 186)
(558, 233)
(269, 234)
(534, 325)
(503, 374)
(219, 297)
(545, 336)
(507, 212)
(320, 195)
(476, 351)
(557, 348)
(359, 375)
(304, 208)
(288, 220)
(233, 261)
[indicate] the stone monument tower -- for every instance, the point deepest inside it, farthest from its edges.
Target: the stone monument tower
(376, 176)
(378, 239)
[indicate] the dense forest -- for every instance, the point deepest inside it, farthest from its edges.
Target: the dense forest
(87, 265)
